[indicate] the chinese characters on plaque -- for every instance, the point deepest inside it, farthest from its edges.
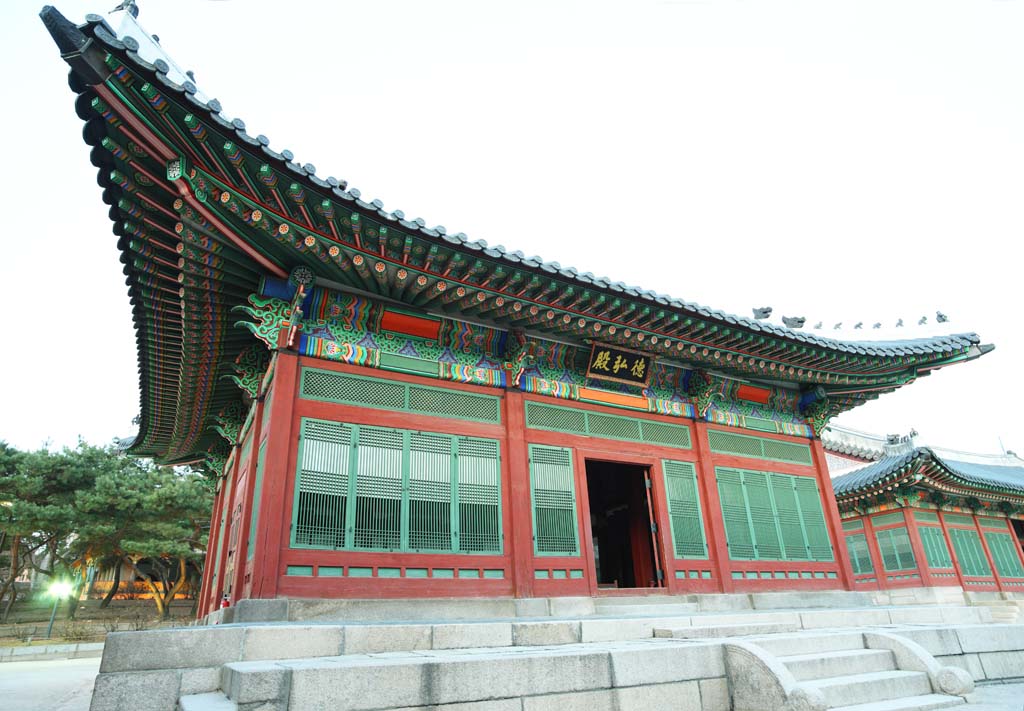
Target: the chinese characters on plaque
(608, 363)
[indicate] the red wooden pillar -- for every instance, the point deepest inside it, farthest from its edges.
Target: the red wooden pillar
(242, 551)
(521, 516)
(272, 534)
(832, 518)
(876, 555)
(712, 507)
(988, 554)
(952, 550)
(211, 545)
(918, 547)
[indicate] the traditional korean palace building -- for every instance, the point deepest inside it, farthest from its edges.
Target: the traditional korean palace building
(921, 516)
(395, 411)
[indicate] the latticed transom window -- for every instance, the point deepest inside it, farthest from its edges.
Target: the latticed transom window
(771, 516)
(360, 487)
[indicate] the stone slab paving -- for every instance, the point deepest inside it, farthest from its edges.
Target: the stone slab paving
(56, 685)
(996, 697)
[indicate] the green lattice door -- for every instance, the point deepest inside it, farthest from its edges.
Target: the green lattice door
(684, 510)
(553, 496)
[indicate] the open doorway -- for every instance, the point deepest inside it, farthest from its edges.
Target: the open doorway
(620, 521)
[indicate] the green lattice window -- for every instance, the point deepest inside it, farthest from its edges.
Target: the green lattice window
(954, 519)
(684, 510)
(770, 516)
(1005, 554)
(853, 525)
(897, 553)
(348, 389)
(576, 421)
(373, 488)
(257, 492)
(936, 552)
(722, 442)
(888, 519)
(926, 516)
(969, 552)
(860, 556)
(553, 495)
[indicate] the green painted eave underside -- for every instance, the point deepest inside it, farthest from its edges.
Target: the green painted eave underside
(185, 274)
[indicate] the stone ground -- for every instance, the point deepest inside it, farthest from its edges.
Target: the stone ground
(53, 685)
(66, 685)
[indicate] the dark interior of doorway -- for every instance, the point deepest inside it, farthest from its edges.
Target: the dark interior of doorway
(621, 525)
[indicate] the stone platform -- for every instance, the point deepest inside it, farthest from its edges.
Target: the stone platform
(798, 650)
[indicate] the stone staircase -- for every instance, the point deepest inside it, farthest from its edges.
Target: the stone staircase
(855, 671)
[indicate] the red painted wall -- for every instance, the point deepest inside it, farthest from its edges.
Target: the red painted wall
(522, 574)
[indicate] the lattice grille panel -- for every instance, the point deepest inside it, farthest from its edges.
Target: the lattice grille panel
(392, 395)
(969, 553)
(722, 442)
(887, 519)
(771, 516)
(1005, 554)
(613, 427)
(372, 488)
(953, 519)
(936, 552)
(582, 422)
(926, 516)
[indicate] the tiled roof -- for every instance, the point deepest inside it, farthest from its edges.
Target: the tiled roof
(185, 347)
(1002, 476)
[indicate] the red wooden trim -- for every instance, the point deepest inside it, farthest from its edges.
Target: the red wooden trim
(714, 527)
(754, 394)
(949, 546)
(278, 466)
(517, 487)
(586, 533)
(917, 546)
(410, 325)
(832, 518)
(330, 587)
(208, 564)
(1016, 543)
(876, 555)
(242, 554)
(228, 505)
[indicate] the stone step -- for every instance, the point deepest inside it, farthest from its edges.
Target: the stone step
(719, 631)
(661, 610)
(872, 686)
(790, 645)
(206, 702)
(925, 702)
(617, 600)
(822, 665)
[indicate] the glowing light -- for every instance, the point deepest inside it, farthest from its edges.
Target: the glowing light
(60, 589)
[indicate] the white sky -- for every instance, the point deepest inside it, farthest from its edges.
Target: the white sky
(844, 161)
